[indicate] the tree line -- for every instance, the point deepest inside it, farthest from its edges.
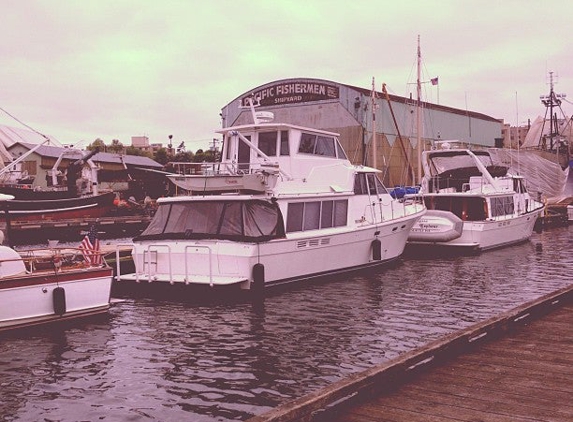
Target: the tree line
(161, 155)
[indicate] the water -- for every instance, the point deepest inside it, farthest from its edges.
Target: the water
(171, 361)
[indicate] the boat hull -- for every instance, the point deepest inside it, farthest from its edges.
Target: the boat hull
(295, 258)
(33, 299)
(93, 206)
(488, 234)
(256, 182)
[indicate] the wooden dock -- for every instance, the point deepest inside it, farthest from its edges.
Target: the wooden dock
(514, 367)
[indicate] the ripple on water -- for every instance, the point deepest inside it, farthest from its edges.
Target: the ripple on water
(169, 361)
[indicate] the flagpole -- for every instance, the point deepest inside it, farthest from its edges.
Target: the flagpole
(374, 158)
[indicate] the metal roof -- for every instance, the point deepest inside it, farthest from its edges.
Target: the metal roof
(103, 157)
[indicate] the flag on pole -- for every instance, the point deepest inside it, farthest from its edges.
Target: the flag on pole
(90, 247)
(434, 81)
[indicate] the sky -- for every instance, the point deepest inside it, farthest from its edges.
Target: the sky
(79, 71)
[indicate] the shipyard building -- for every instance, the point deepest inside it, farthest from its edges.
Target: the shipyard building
(348, 110)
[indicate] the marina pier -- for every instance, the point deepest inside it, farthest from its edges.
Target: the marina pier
(515, 366)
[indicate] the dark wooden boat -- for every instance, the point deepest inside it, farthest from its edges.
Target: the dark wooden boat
(89, 206)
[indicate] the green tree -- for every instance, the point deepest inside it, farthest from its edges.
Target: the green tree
(161, 156)
(98, 143)
(199, 156)
(183, 157)
(116, 147)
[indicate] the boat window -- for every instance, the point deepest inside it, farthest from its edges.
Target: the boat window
(325, 146)
(244, 155)
(379, 185)
(248, 221)
(340, 213)
(311, 215)
(268, 143)
(466, 208)
(316, 214)
(340, 151)
(294, 217)
(360, 186)
(326, 214)
(307, 143)
(285, 150)
(371, 183)
(227, 147)
(502, 206)
(519, 186)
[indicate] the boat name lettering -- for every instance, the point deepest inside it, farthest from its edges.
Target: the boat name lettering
(296, 92)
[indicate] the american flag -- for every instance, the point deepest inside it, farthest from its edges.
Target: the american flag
(434, 81)
(90, 247)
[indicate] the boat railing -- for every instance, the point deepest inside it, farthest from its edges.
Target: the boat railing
(233, 168)
(210, 251)
(118, 248)
(147, 259)
(147, 254)
(397, 208)
(57, 259)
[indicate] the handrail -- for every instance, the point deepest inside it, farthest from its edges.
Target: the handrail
(117, 259)
(148, 249)
(31, 258)
(210, 263)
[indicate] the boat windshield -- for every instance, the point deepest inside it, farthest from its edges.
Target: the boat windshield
(443, 162)
(242, 221)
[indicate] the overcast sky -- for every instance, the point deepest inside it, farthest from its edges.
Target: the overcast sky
(81, 70)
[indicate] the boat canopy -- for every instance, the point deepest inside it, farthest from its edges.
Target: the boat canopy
(251, 220)
(443, 161)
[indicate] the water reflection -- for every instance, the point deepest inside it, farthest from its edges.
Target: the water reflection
(169, 360)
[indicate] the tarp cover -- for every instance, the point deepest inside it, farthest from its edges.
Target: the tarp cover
(244, 221)
(542, 176)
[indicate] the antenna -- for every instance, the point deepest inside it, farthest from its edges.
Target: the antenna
(258, 116)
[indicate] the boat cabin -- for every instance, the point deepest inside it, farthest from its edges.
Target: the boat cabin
(456, 171)
(295, 150)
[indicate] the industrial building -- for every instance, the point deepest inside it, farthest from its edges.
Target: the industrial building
(348, 110)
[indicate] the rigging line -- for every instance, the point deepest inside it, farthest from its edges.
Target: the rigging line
(24, 124)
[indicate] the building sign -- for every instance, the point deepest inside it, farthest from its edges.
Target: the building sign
(292, 93)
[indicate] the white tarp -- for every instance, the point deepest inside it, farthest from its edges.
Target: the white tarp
(541, 175)
(542, 128)
(11, 135)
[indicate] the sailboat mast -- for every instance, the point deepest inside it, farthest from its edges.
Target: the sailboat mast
(550, 101)
(418, 115)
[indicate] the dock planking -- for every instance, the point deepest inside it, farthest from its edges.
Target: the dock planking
(514, 367)
(526, 376)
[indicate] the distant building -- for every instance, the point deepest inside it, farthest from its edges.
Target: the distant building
(513, 136)
(134, 175)
(142, 143)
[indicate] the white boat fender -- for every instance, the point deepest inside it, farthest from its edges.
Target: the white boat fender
(376, 250)
(258, 277)
(59, 298)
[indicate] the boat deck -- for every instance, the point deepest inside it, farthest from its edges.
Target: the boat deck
(516, 367)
